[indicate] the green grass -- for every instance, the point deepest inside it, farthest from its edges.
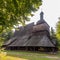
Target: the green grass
(32, 55)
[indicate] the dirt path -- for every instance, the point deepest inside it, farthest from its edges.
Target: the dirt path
(52, 57)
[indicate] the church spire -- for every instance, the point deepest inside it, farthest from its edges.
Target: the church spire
(41, 15)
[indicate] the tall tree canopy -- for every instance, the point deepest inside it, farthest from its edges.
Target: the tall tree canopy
(58, 29)
(13, 12)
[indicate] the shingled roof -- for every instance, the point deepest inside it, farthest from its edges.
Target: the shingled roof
(40, 27)
(28, 40)
(24, 30)
(26, 37)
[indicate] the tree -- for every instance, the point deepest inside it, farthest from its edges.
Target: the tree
(6, 35)
(58, 29)
(14, 12)
(53, 35)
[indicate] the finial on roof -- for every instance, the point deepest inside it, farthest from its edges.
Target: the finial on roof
(41, 15)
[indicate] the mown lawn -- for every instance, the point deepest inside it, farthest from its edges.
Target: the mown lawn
(33, 55)
(3, 56)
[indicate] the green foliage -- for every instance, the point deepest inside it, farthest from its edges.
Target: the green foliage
(14, 12)
(1, 41)
(53, 34)
(58, 33)
(6, 35)
(58, 29)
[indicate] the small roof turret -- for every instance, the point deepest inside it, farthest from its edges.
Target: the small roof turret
(41, 15)
(41, 21)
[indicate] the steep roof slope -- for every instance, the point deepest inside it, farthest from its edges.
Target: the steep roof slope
(35, 40)
(26, 37)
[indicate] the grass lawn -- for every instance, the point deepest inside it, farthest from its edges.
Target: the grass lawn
(3, 56)
(33, 55)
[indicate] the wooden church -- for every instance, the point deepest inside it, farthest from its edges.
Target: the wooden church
(33, 37)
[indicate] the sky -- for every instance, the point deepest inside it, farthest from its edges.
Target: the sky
(51, 9)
